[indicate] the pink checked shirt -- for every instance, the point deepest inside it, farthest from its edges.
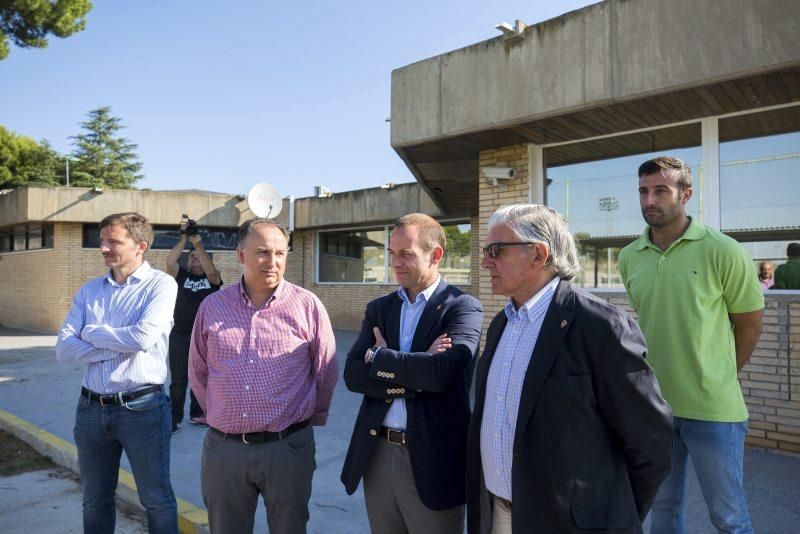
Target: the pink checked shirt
(263, 369)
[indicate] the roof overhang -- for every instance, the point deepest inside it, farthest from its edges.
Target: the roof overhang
(609, 68)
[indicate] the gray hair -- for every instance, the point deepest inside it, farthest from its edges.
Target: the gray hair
(540, 224)
(247, 227)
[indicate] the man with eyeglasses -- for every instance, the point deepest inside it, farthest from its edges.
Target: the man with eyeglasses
(569, 430)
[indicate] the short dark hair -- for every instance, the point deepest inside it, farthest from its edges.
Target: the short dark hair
(138, 226)
(246, 227)
(430, 230)
(793, 250)
(668, 163)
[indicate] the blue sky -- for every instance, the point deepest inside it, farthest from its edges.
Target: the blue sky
(221, 95)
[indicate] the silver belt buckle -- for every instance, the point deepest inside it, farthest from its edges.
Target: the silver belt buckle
(400, 441)
(102, 402)
(244, 439)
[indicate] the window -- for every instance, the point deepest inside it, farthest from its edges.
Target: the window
(353, 256)
(759, 174)
(594, 185)
(165, 237)
(360, 256)
(26, 237)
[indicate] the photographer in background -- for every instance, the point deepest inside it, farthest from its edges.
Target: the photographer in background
(200, 280)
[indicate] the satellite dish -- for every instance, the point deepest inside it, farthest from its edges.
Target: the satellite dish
(264, 201)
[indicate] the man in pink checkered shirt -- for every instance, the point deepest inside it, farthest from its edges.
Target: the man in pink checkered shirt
(262, 364)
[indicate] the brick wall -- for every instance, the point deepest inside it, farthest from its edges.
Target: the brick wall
(489, 199)
(37, 286)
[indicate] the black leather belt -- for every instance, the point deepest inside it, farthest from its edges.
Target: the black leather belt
(107, 399)
(255, 438)
(504, 502)
(396, 437)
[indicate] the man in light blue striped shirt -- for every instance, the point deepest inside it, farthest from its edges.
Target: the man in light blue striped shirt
(119, 326)
(569, 432)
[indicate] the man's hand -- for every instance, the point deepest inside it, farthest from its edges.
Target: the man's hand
(195, 239)
(379, 341)
(440, 344)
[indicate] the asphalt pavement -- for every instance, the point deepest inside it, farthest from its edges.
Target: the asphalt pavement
(38, 389)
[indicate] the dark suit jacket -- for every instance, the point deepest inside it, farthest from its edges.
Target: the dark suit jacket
(436, 389)
(593, 434)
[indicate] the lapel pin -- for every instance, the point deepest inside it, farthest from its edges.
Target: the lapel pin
(439, 307)
(563, 324)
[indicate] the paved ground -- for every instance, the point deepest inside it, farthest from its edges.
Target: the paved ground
(37, 501)
(36, 388)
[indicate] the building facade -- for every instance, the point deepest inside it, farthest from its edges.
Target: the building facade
(574, 104)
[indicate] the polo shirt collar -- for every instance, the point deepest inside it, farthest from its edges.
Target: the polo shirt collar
(142, 272)
(694, 232)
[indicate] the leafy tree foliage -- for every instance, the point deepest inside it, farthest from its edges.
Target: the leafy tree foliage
(29, 22)
(103, 157)
(23, 161)
(457, 241)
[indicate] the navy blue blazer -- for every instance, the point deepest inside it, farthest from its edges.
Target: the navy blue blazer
(435, 387)
(593, 434)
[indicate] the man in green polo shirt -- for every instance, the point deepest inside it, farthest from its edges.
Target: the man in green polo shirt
(699, 304)
(787, 276)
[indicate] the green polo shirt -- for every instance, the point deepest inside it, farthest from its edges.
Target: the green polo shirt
(787, 276)
(683, 297)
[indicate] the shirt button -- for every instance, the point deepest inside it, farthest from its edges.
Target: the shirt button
(247, 387)
(251, 361)
(499, 397)
(497, 434)
(373, 432)
(244, 415)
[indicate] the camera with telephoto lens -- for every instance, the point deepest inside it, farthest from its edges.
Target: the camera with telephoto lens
(188, 226)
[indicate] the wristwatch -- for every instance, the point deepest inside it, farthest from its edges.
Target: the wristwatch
(370, 355)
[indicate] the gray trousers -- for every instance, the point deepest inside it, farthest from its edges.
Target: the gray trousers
(393, 504)
(233, 474)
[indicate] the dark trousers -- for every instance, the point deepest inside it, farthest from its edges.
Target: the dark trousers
(179, 370)
(233, 474)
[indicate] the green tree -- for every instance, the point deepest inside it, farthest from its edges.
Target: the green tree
(23, 161)
(457, 241)
(28, 23)
(103, 157)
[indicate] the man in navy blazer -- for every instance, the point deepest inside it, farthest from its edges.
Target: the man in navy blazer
(570, 432)
(413, 363)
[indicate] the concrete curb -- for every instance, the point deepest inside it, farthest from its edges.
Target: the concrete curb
(191, 519)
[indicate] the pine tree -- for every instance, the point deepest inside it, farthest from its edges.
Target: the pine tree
(102, 157)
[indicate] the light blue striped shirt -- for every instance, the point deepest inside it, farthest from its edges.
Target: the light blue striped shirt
(504, 387)
(410, 314)
(120, 331)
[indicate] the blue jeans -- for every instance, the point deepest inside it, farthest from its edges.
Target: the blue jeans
(717, 451)
(142, 429)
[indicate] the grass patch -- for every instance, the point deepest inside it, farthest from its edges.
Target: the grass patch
(17, 457)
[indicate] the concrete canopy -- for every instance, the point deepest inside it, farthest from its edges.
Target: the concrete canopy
(612, 67)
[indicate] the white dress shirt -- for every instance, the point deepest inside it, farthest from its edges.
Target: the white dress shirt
(122, 331)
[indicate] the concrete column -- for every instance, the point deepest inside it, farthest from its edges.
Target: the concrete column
(708, 189)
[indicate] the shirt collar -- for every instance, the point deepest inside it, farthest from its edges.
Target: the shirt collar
(275, 294)
(426, 293)
(693, 232)
(530, 307)
(142, 272)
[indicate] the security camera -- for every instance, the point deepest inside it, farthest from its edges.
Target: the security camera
(499, 173)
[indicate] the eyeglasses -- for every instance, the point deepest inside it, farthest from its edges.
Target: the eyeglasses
(493, 250)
